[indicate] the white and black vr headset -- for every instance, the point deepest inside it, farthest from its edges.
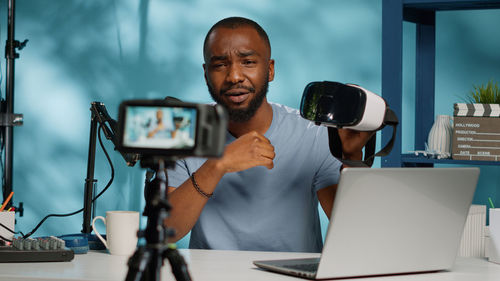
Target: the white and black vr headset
(348, 106)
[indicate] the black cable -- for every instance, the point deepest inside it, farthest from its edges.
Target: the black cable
(2, 142)
(5, 239)
(2, 157)
(7, 228)
(110, 164)
(95, 198)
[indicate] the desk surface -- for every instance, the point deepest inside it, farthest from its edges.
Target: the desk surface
(218, 265)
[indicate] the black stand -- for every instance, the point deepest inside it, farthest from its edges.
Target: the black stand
(86, 237)
(90, 181)
(147, 261)
(7, 118)
(99, 118)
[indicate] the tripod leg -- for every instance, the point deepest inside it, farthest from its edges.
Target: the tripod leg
(147, 263)
(177, 263)
(137, 264)
(153, 271)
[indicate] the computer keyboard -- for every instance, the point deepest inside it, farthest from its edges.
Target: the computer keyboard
(309, 267)
(42, 249)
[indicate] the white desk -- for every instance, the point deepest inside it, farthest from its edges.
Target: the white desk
(214, 265)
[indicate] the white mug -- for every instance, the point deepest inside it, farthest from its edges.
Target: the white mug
(121, 231)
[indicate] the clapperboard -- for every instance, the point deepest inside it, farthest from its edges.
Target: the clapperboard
(476, 132)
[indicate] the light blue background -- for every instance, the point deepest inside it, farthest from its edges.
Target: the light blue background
(109, 51)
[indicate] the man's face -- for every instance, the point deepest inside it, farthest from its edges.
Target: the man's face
(238, 70)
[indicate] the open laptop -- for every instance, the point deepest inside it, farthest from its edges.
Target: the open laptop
(390, 221)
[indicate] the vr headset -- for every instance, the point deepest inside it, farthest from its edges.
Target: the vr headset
(348, 106)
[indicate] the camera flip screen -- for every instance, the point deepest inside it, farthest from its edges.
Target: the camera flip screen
(160, 127)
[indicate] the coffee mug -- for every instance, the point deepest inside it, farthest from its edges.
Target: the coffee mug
(121, 231)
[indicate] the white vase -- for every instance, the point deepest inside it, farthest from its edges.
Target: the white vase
(440, 135)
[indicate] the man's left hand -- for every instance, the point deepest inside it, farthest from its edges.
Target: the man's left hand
(353, 143)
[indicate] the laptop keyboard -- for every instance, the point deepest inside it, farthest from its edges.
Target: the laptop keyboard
(309, 267)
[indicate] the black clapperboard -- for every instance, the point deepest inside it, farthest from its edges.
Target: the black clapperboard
(476, 132)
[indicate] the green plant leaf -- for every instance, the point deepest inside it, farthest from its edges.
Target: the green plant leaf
(488, 93)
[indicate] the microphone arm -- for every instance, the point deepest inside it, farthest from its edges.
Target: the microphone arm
(109, 125)
(99, 116)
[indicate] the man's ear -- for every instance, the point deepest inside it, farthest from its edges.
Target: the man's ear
(271, 70)
(205, 73)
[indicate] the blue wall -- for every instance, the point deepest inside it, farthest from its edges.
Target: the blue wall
(82, 51)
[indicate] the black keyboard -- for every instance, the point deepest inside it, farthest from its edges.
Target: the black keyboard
(308, 267)
(42, 249)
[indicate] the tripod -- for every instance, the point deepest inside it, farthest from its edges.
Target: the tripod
(146, 262)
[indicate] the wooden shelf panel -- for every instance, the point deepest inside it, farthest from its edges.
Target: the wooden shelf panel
(449, 5)
(413, 159)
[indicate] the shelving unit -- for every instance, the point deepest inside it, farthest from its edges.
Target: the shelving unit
(423, 14)
(411, 160)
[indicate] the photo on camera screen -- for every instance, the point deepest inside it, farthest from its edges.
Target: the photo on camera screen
(152, 127)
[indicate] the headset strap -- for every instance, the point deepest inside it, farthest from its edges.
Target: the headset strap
(336, 149)
(335, 143)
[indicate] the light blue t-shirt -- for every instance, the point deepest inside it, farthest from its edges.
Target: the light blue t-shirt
(268, 210)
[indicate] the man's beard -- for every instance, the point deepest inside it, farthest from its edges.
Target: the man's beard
(245, 114)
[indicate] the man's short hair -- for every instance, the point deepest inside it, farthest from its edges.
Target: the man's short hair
(235, 22)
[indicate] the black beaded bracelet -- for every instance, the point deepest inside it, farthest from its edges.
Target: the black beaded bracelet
(195, 184)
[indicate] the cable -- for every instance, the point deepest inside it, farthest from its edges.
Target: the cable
(110, 164)
(95, 198)
(7, 228)
(5, 239)
(2, 129)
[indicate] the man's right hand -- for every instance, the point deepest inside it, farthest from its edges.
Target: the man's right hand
(248, 151)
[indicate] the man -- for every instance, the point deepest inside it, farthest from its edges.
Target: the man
(275, 167)
(159, 126)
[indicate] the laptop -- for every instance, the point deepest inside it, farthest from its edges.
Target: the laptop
(390, 221)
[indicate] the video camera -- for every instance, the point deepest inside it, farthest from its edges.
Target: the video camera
(171, 128)
(162, 131)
